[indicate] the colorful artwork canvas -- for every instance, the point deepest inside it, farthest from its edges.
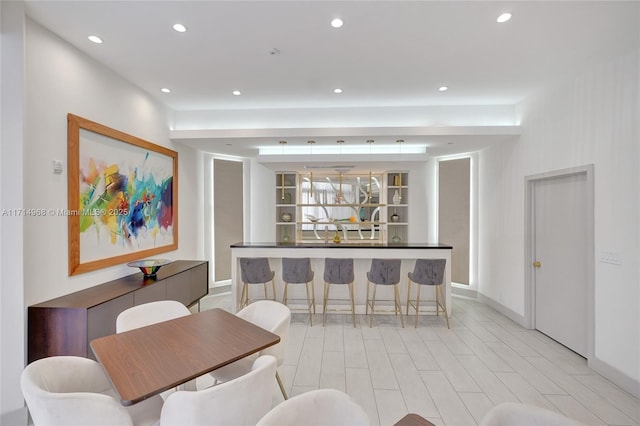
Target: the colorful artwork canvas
(124, 197)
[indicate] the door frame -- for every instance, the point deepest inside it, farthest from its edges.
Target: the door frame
(529, 241)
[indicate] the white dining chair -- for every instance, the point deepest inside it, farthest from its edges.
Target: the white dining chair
(321, 407)
(272, 316)
(152, 313)
(238, 402)
(513, 413)
(70, 390)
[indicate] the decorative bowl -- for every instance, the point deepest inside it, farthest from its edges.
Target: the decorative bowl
(149, 267)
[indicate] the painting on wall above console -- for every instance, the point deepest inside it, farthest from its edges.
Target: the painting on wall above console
(122, 197)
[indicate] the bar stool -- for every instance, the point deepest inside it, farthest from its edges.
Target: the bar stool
(298, 271)
(338, 271)
(384, 272)
(427, 272)
(255, 270)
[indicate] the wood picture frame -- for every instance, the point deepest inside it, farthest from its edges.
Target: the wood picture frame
(122, 196)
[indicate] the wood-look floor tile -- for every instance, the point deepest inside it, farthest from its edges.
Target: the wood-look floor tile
(569, 407)
(414, 392)
(382, 375)
(332, 374)
(523, 367)
(482, 351)
(391, 406)
(451, 408)
(490, 384)
(588, 398)
(477, 403)
(360, 388)
(451, 367)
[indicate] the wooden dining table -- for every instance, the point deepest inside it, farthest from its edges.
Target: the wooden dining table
(146, 361)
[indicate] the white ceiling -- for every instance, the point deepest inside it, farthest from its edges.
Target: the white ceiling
(391, 54)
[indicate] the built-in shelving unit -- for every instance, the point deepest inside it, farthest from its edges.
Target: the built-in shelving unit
(398, 207)
(311, 207)
(286, 218)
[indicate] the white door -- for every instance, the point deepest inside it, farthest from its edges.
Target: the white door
(561, 248)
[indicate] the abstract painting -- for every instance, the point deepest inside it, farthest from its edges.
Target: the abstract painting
(122, 197)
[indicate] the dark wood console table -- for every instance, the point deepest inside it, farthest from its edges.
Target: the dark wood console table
(65, 325)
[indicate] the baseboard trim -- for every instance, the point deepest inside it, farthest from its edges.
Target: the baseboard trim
(17, 417)
(513, 316)
(616, 376)
(465, 292)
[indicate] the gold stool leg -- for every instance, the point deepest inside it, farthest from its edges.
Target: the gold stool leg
(366, 307)
(284, 393)
(313, 296)
(244, 297)
(284, 293)
(444, 309)
(324, 303)
(397, 303)
(417, 306)
(306, 288)
(353, 309)
(273, 287)
(408, 295)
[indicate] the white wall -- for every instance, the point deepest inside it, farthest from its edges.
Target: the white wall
(59, 79)
(12, 342)
(591, 118)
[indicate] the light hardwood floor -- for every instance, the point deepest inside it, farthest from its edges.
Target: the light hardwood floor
(451, 377)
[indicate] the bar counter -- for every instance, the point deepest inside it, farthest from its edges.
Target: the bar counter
(362, 253)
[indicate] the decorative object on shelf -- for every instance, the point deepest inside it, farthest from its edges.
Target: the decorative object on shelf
(396, 197)
(336, 236)
(287, 198)
(396, 238)
(396, 180)
(149, 267)
(285, 236)
(395, 217)
(286, 217)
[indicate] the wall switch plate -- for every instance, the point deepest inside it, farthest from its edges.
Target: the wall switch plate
(57, 167)
(610, 257)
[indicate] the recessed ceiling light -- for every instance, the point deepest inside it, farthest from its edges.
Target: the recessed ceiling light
(165, 90)
(337, 90)
(95, 39)
(237, 93)
(337, 23)
(179, 28)
(504, 17)
(443, 88)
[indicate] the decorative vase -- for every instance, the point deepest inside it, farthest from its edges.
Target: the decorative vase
(396, 239)
(336, 237)
(396, 197)
(285, 217)
(285, 237)
(395, 217)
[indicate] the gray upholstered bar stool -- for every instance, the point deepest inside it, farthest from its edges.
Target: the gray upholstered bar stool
(255, 270)
(384, 272)
(298, 271)
(428, 272)
(338, 271)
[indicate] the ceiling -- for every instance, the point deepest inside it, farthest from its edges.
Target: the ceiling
(388, 54)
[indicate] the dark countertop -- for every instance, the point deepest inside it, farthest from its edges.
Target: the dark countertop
(343, 245)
